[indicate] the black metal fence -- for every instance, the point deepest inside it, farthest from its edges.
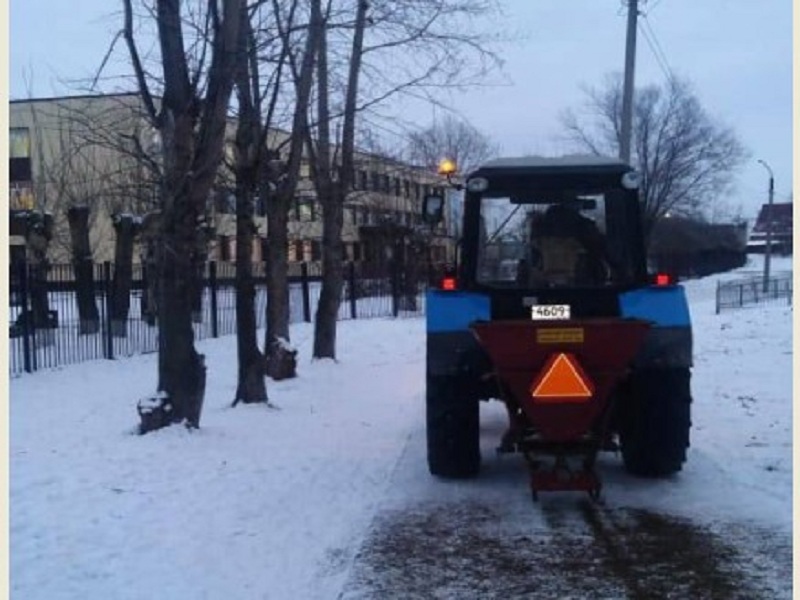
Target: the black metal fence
(751, 290)
(46, 329)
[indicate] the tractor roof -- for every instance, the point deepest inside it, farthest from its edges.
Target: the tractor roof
(561, 164)
(578, 173)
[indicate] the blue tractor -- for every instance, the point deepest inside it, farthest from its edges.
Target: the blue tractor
(550, 309)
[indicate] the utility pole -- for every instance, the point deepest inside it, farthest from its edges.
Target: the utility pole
(769, 216)
(627, 92)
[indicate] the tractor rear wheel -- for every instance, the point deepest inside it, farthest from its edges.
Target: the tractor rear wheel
(452, 427)
(656, 420)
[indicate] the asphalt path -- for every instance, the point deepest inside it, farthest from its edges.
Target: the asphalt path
(487, 538)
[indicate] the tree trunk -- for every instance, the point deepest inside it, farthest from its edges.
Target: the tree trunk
(151, 230)
(38, 237)
(181, 368)
(281, 360)
(332, 191)
(279, 364)
(123, 274)
(251, 387)
(78, 219)
(333, 277)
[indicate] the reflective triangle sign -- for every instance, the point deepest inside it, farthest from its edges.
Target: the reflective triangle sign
(562, 380)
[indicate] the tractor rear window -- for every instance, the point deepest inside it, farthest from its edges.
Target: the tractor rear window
(539, 242)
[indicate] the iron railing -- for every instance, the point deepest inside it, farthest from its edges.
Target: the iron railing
(46, 329)
(746, 291)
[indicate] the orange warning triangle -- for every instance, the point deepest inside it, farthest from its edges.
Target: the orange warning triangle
(562, 378)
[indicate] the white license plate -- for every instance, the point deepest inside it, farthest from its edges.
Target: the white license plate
(542, 312)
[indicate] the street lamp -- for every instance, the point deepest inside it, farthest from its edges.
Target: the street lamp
(769, 215)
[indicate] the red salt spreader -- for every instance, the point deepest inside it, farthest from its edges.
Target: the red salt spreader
(558, 379)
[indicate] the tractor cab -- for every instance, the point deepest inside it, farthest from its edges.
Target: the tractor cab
(555, 231)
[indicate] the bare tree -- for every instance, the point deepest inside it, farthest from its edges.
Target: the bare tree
(686, 159)
(191, 120)
(450, 138)
(369, 53)
(333, 181)
(299, 48)
(249, 144)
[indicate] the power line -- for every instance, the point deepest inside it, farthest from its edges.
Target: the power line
(658, 52)
(656, 42)
(655, 3)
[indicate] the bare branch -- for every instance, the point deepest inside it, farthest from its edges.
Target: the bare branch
(139, 72)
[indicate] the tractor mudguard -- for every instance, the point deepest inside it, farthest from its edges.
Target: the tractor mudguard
(450, 343)
(655, 416)
(453, 383)
(669, 341)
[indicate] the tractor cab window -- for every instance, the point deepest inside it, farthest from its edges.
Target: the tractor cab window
(549, 242)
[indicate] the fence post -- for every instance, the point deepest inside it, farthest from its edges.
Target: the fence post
(107, 321)
(212, 285)
(27, 358)
(351, 282)
(305, 290)
(716, 310)
(393, 280)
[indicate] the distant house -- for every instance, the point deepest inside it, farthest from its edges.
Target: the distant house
(779, 217)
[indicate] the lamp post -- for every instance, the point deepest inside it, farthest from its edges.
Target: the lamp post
(769, 215)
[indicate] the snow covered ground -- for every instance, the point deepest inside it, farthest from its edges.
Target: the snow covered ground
(276, 502)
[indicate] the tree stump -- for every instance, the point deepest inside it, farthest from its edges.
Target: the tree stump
(281, 361)
(155, 412)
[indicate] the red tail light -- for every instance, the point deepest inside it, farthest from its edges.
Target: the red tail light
(663, 279)
(449, 283)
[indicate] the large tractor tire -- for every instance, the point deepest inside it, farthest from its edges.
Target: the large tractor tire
(453, 428)
(656, 420)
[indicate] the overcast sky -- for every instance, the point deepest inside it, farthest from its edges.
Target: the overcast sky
(736, 53)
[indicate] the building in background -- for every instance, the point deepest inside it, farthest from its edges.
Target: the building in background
(71, 152)
(100, 151)
(779, 218)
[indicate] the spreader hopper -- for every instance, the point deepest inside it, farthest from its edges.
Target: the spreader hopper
(558, 377)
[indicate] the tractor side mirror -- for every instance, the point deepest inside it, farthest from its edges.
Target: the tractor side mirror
(432, 209)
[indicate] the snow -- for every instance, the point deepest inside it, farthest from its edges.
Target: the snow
(276, 501)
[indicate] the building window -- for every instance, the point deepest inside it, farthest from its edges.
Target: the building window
(19, 155)
(407, 188)
(316, 250)
(224, 248)
(396, 186)
(296, 251)
(376, 181)
(386, 185)
(305, 209)
(19, 142)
